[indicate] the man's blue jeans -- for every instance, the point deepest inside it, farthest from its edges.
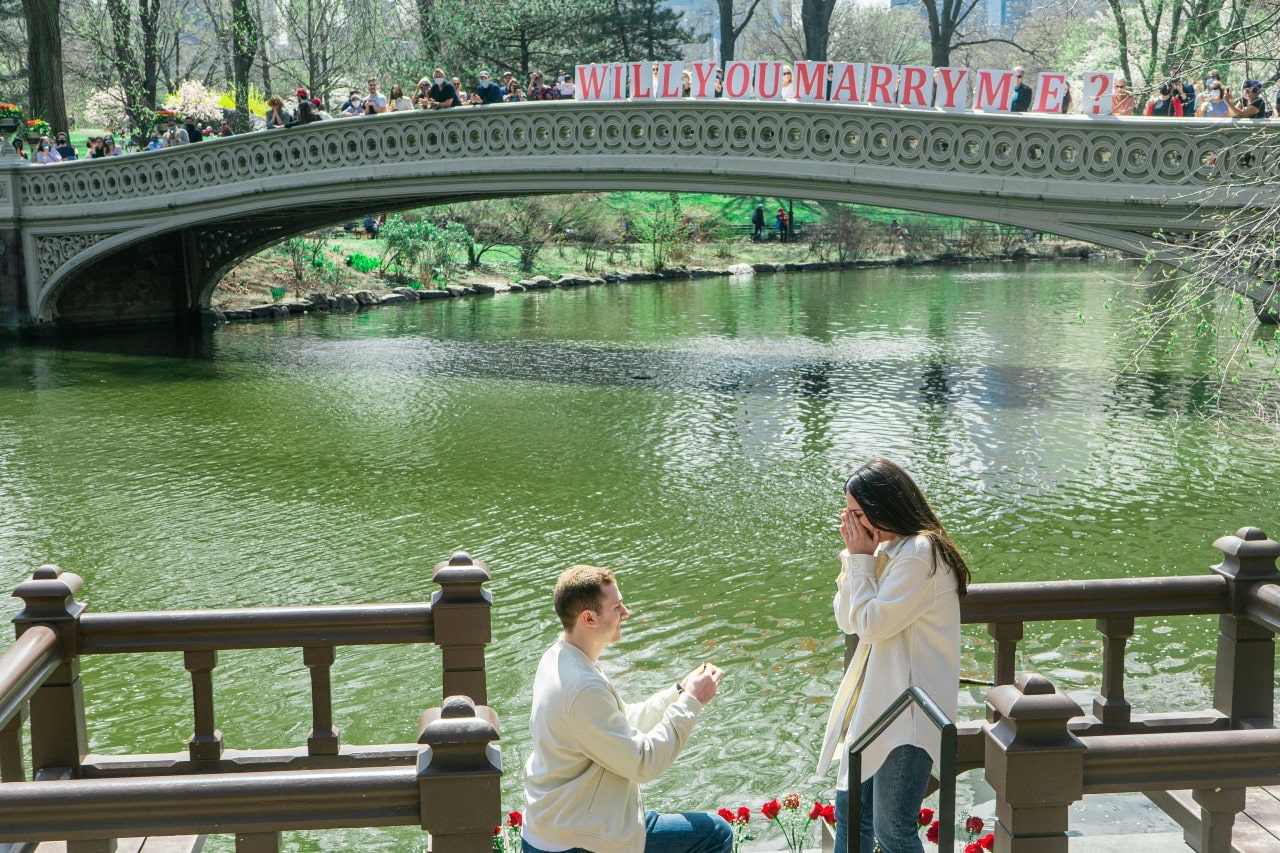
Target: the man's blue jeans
(689, 832)
(890, 804)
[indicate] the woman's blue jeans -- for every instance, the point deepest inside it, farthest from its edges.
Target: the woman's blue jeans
(690, 832)
(890, 804)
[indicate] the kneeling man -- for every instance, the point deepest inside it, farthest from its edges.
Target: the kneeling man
(591, 750)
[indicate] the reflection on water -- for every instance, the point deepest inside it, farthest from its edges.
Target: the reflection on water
(692, 436)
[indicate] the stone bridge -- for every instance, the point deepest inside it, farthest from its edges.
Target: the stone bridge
(146, 237)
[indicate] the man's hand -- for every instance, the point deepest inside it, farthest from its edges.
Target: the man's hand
(703, 682)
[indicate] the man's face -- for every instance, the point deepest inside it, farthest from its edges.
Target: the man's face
(611, 613)
(373, 87)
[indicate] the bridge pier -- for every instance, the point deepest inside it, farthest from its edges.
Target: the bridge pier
(13, 301)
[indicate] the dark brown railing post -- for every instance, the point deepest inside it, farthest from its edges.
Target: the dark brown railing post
(12, 768)
(58, 740)
(1110, 706)
(460, 613)
(206, 740)
(1035, 765)
(1244, 676)
(1218, 810)
(258, 842)
(459, 776)
(323, 739)
(1006, 635)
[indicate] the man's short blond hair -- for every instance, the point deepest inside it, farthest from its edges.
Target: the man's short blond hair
(580, 588)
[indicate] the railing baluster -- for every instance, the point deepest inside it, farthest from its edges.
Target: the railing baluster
(12, 767)
(258, 842)
(96, 845)
(1110, 706)
(206, 741)
(1006, 635)
(324, 735)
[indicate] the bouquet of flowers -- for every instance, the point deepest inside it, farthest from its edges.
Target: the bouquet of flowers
(38, 127)
(506, 838)
(787, 815)
(975, 842)
(738, 820)
(11, 111)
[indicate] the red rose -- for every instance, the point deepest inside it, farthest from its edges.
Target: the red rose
(932, 832)
(973, 825)
(770, 809)
(791, 801)
(816, 811)
(515, 819)
(926, 817)
(988, 841)
(497, 830)
(744, 814)
(973, 847)
(726, 814)
(829, 813)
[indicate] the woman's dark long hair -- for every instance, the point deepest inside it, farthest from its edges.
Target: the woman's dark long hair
(892, 501)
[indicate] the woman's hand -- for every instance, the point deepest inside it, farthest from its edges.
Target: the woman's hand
(859, 537)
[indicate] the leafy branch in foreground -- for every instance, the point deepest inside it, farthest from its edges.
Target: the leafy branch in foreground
(1221, 288)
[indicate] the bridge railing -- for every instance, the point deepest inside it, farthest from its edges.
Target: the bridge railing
(1041, 751)
(445, 782)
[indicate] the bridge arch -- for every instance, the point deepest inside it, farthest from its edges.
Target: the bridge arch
(147, 237)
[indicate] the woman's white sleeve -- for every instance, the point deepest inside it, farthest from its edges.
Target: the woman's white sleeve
(881, 608)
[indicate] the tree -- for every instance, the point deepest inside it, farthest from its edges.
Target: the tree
(659, 222)
(956, 24)
(729, 32)
(44, 61)
(245, 37)
(1162, 38)
(329, 40)
(638, 29)
(815, 21)
(517, 35)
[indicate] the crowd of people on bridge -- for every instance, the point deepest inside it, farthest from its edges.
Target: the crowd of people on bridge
(1179, 96)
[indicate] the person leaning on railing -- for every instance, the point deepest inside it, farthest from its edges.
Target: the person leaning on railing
(899, 590)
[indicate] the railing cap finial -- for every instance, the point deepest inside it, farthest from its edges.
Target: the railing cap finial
(1249, 554)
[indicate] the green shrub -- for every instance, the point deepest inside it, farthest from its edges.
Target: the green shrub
(362, 263)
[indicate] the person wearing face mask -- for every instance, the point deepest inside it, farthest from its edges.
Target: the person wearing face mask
(1251, 104)
(45, 152)
(442, 94)
(1213, 104)
(156, 142)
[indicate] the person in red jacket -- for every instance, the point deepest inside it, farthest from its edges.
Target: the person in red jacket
(1165, 104)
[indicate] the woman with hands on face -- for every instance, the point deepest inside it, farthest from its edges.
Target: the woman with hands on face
(899, 590)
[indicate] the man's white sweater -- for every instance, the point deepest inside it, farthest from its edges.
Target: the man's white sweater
(591, 751)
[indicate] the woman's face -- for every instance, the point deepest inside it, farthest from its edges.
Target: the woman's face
(859, 516)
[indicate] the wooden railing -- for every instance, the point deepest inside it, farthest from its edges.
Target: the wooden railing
(1041, 751)
(447, 782)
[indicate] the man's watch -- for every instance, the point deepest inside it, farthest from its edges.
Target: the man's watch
(679, 687)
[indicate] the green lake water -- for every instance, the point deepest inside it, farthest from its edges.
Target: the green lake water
(693, 436)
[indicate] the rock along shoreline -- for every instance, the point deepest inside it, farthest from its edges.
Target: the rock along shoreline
(359, 300)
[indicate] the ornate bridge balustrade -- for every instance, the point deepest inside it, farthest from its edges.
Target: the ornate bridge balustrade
(1042, 752)
(147, 236)
(447, 782)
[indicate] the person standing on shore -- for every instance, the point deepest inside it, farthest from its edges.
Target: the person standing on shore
(591, 750)
(757, 224)
(899, 590)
